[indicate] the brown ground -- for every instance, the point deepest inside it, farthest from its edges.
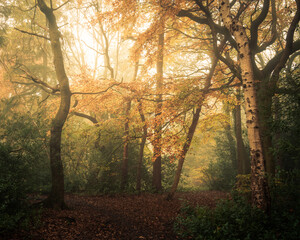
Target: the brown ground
(148, 216)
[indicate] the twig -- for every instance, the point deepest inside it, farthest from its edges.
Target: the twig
(61, 5)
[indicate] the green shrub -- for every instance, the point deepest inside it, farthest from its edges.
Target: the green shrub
(219, 175)
(236, 219)
(168, 168)
(27, 135)
(12, 190)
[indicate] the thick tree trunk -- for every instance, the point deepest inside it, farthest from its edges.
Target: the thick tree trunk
(259, 186)
(265, 116)
(243, 161)
(56, 197)
(277, 137)
(156, 180)
(124, 175)
(142, 146)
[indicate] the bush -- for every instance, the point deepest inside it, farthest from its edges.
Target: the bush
(13, 205)
(219, 175)
(27, 135)
(236, 219)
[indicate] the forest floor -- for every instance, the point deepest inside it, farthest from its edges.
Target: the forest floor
(148, 216)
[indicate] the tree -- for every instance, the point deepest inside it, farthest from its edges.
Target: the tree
(4, 13)
(157, 151)
(192, 129)
(142, 146)
(243, 161)
(124, 179)
(247, 44)
(56, 197)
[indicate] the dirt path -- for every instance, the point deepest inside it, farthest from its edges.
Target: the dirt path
(148, 216)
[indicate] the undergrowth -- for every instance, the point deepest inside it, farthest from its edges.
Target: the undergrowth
(236, 219)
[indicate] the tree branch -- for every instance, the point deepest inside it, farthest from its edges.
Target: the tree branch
(32, 34)
(209, 22)
(29, 76)
(273, 29)
(288, 50)
(61, 5)
(255, 24)
(270, 66)
(83, 115)
(95, 93)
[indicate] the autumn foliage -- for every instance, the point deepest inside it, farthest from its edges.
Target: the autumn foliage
(131, 97)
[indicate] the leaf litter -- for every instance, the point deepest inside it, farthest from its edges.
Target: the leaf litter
(118, 217)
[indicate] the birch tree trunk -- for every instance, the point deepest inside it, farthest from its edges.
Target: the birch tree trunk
(56, 197)
(259, 187)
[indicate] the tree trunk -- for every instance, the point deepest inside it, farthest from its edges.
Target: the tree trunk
(277, 137)
(142, 146)
(265, 116)
(156, 180)
(259, 186)
(184, 151)
(124, 175)
(192, 129)
(230, 139)
(45, 66)
(56, 197)
(243, 161)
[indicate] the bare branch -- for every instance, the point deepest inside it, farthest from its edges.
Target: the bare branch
(189, 36)
(95, 93)
(255, 24)
(41, 26)
(209, 22)
(273, 31)
(30, 76)
(185, 13)
(83, 115)
(27, 10)
(100, 53)
(288, 50)
(61, 5)
(33, 34)
(270, 66)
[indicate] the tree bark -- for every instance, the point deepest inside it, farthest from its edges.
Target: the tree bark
(142, 146)
(265, 95)
(56, 197)
(243, 161)
(259, 186)
(230, 139)
(156, 180)
(124, 179)
(45, 65)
